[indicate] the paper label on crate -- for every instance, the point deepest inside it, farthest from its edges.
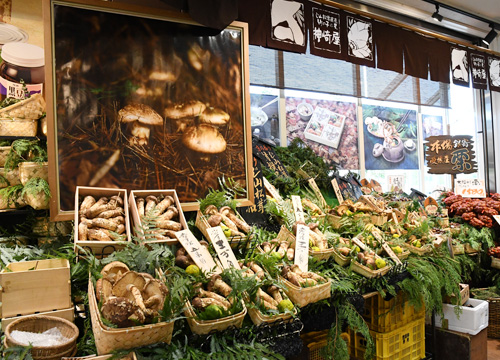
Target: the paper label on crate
(317, 191)
(301, 257)
(471, 188)
(222, 247)
(359, 243)
(391, 253)
(297, 208)
(273, 191)
(200, 255)
(336, 188)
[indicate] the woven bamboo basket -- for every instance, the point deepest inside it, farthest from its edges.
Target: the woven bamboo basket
(4, 151)
(367, 272)
(12, 204)
(28, 109)
(29, 170)
(458, 249)
(493, 316)
(404, 255)
(38, 201)
(286, 235)
(495, 262)
(418, 251)
(60, 356)
(203, 327)
(41, 323)
(308, 295)
(333, 220)
(259, 318)
(341, 259)
(202, 224)
(10, 127)
(12, 176)
(110, 339)
(470, 250)
(130, 356)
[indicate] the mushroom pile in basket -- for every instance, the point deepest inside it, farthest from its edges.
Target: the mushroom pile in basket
(129, 298)
(226, 218)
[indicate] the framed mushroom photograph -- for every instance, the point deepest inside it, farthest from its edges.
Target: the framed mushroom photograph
(142, 99)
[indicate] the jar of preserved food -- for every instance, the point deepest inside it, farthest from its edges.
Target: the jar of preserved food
(21, 63)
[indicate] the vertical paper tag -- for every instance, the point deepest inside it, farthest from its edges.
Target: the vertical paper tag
(297, 208)
(273, 191)
(317, 191)
(302, 247)
(359, 243)
(391, 253)
(336, 188)
(222, 247)
(198, 252)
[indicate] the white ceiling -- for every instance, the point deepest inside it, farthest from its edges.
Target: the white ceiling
(421, 10)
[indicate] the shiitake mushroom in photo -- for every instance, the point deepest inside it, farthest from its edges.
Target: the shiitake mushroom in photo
(108, 64)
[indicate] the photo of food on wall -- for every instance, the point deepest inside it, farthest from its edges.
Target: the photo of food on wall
(390, 137)
(326, 126)
(264, 111)
(146, 104)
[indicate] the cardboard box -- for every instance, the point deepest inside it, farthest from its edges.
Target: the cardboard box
(136, 220)
(100, 247)
(35, 286)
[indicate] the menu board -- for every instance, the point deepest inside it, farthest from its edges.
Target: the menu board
(269, 159)
(447, 154)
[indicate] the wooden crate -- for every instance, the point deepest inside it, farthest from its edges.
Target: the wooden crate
(134, 213)
(35, 286)
(100, 247)
(130, 356)
(68, 314)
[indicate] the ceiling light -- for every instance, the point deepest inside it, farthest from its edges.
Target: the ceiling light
(437, 16)
(491, 35)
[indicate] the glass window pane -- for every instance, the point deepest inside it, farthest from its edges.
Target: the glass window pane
(262, 66)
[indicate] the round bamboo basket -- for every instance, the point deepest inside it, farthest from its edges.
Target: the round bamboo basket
(39, 324)
(259, 318)
(418, 251)
(367, 272)
(28, 109)
(341, 259)
(308, 295)
(203, 327)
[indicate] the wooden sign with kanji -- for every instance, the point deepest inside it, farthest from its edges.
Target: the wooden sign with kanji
(447, 154)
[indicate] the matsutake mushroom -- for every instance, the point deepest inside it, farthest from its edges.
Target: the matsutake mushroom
(140, 117)
(213, 116)
(183, 114)
(204, 141)
(121, 311)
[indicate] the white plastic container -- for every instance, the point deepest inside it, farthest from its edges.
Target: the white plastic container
(472, 320)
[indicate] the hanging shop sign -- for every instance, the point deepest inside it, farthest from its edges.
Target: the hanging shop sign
(460, 66)
(494, 73)
(450, 154)
(325, 31)
(358, 39)
(268, 157)
(472, 188)
(255, 214)
(287, 30)
(478, 71)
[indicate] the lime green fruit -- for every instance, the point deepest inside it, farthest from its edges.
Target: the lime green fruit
(397, 250)
(311, 244)
(380, 263)
(213, 312)
(417, 243)
(315, 248)
(226, 230)
(193, 270)
(285, 305)
(348, 213)
(395, 235)
(277, 255)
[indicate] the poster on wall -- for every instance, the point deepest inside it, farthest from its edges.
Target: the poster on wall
(328, 127)
(143, 103)
(460, 66)
(265, 117)
(432, 125)
(390, 138)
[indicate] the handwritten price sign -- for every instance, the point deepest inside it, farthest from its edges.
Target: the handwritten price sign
(471, 188)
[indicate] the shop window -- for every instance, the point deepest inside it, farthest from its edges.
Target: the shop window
(264, 108)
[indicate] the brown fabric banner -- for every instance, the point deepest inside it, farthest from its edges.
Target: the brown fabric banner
(416, 59)
(389, 45)
(325, 31)
(357, 38)
(288, 25)
(257, 14)
(439, 60)
(460, 66)
(479, 71)
(494, 73)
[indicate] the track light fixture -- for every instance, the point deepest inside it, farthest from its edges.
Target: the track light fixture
(437, 16)
(491, 35)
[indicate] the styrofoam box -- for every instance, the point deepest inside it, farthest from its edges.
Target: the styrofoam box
(472, 319)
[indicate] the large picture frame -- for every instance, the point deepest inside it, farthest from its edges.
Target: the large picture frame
(141, 98)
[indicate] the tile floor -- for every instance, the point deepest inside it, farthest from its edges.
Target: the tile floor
(493, 349)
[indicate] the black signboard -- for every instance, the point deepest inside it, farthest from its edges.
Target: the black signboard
(355, 184)
(417, 195)
(325, 31)
(269, 159)
(255, 214)
(346, 189)
(478, 69)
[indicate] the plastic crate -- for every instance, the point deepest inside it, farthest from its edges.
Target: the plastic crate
(405, 343)
(384, 316)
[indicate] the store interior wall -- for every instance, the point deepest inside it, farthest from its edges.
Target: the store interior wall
(495, 101)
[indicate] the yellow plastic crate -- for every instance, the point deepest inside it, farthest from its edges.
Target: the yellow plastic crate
(405, 343)
(384, 316)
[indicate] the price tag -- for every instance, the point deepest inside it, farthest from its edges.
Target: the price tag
(471, 188)
(273, 191)
(359, 243)
(336, 188)
(391, 253)
(198, 252)
(395, 182)
(297, 208)
(317, 191)
(497, 218)
(394, 218)
(222, 247)
(301, 257)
